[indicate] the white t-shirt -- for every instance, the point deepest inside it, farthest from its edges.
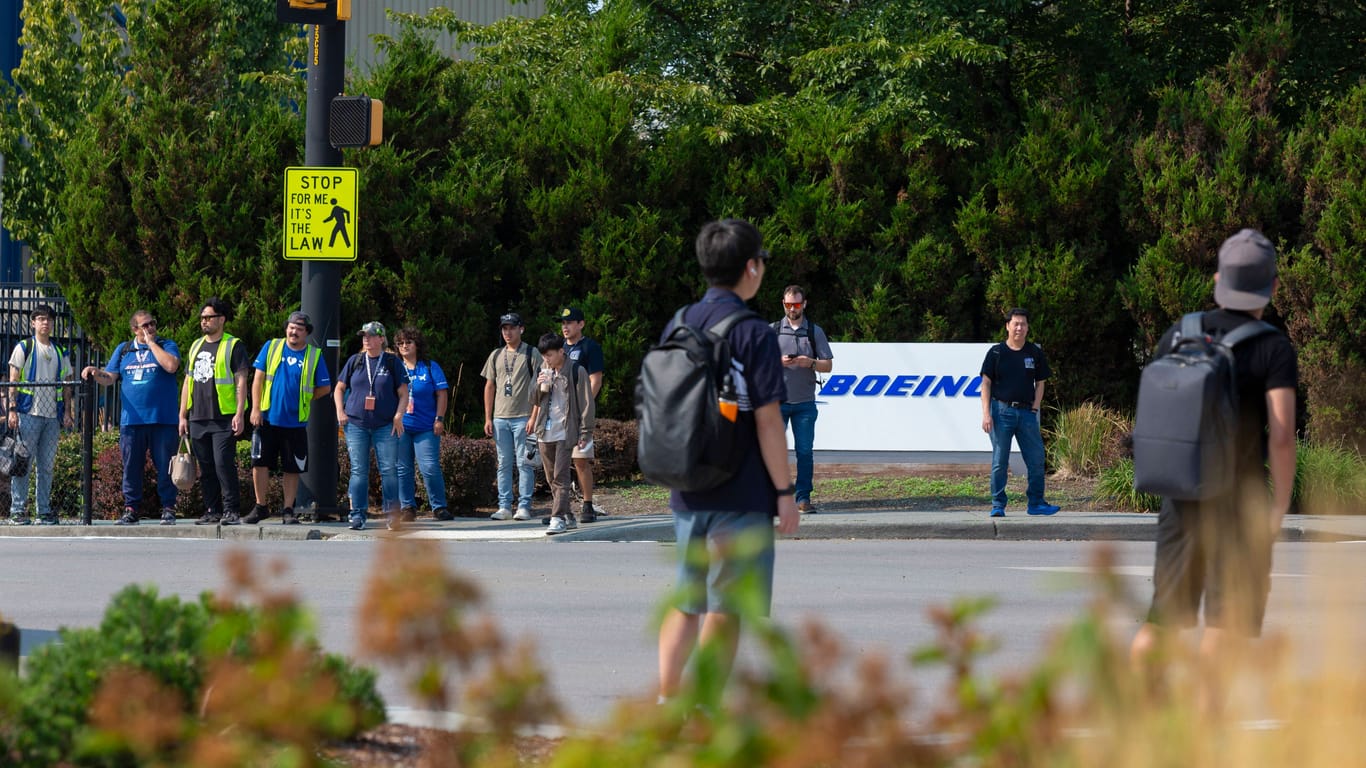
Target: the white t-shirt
(556, 412)
(45, 399)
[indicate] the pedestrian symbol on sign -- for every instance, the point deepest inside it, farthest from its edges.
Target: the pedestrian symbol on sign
(341, 216)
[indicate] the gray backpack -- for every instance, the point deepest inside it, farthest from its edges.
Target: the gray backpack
(1184, 429)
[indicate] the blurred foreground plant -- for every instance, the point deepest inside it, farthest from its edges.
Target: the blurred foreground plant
(208, 683)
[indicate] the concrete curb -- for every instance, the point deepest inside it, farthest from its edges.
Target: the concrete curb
(845, 524)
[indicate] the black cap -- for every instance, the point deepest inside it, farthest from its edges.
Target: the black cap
(571, 313)
(511, 318)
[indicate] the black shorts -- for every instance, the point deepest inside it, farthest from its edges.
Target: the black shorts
(283, 448)
(1219, 549)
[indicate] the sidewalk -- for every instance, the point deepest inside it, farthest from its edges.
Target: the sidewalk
(840, 524)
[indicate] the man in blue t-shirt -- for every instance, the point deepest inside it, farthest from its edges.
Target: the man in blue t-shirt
(151, 412)
(290, 375)
(1013, 375)
(725, 535)
(587, 354)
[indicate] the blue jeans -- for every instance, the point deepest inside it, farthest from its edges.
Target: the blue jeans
(39, 433)
(509, 435)
(358, 443)
(1023, 425)
(803, 418)
(426, 448)
(134, 443)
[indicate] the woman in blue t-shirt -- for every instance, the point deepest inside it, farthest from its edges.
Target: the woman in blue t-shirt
(420, 442)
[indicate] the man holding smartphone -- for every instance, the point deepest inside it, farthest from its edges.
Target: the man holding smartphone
(806, 353)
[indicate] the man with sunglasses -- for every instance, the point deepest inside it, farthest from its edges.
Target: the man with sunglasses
(806, 353)
(509, 375)
(213, 410)
(146, 366)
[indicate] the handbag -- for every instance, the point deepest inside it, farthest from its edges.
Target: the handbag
(14, 455)
(184, 469)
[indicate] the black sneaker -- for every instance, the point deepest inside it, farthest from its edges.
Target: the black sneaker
(408, 514)
(168, 516)
(48, 520)
(287, 516)
(21, 521)
(588, 514)
(442, 514)
(231, 519)
(209, 518)
(129, 517)
(257, 514)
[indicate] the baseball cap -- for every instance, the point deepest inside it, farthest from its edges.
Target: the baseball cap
(299, 318)
(511, 318)
(1247, 270)
(571, 313)
(372, 328)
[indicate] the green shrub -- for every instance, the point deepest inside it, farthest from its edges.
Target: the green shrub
(1117, 484)
(1329, 480)
(1085, 439)
(185, 670)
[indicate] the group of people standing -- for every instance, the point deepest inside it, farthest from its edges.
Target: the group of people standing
(212, 409)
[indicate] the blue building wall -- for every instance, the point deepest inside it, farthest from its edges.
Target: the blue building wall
(11, 264)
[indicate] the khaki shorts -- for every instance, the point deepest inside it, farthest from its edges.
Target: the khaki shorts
(586, 452)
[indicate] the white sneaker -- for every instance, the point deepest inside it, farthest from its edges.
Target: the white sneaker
(557, 525)
(503, 513)
(522, 514)
(572, 523)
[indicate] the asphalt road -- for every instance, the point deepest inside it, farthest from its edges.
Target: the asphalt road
(589, 606)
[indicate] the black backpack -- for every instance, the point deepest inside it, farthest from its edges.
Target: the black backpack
(1184, 430)
(685, 407)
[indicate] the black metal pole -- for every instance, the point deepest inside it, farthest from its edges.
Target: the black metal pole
(321, 285)
(88, 450)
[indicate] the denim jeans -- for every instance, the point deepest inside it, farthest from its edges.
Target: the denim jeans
(358, 443)
(39, 433)
(1023, 426)
(510, 437)
(803, 418)
(134, 443)
(426, 448)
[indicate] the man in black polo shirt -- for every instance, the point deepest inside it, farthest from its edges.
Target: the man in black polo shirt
(1013, 374)
(1221, 547)
(725, 535)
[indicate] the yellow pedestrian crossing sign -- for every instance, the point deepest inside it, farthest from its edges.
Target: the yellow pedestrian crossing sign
(320, 213)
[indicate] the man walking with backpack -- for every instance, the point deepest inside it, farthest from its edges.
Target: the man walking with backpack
(1013, 375)
(1220, 545)
(806, 353)
(725, 533)
(509, 375)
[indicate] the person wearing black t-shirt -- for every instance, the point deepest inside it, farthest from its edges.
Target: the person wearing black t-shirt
(1013, 376)
(1221, 548)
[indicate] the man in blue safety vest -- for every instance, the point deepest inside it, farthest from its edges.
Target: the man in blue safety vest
(290, 375)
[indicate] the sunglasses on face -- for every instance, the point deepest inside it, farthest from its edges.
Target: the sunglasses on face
(148, 325)
(793, 304)
(209, 317)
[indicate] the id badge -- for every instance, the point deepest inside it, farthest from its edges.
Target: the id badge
(137, 375)
(369, 402)
(410, 405)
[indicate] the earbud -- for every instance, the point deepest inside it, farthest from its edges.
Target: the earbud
(753, 271)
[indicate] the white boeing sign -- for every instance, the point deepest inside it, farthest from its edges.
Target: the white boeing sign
(902, 397)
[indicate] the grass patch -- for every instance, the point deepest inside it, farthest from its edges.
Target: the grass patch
(1329, 479)
(637, 490)
(1116, 485)
(1085, 440)
(898, 487)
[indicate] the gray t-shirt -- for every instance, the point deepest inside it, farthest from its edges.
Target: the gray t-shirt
(520, 369)
(808, 340)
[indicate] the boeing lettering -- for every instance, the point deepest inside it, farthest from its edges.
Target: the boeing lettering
(904, 385)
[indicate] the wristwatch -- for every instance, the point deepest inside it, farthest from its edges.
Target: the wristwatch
(791, 490)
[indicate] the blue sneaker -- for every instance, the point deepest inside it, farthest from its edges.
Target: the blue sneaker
(998, 511)
(1044, 509)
